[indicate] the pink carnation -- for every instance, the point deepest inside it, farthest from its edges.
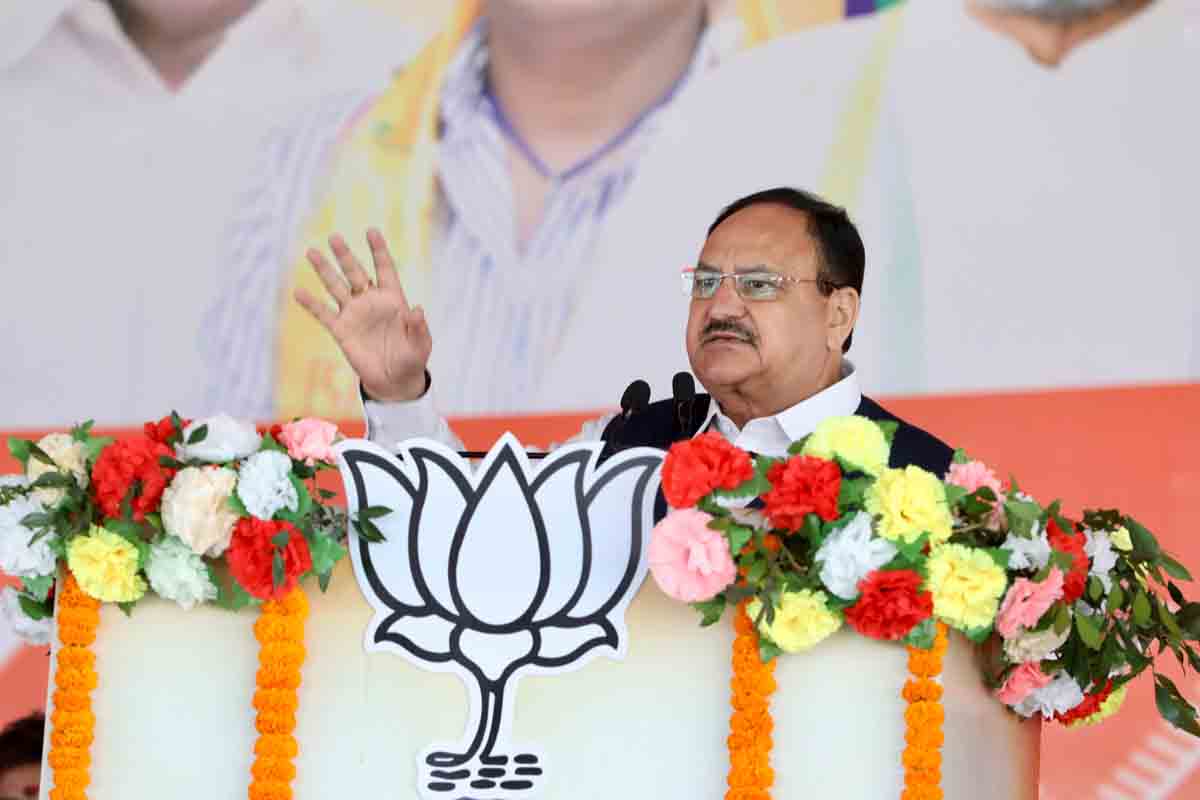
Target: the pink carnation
(975, 475)
(1027, 601)
(309, 440)
(689, 560)
(1023, 680)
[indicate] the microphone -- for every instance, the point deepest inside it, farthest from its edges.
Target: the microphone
(683, 389)
(635, 399)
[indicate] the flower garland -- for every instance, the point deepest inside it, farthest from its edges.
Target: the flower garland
(923, 721)
(280, 634)
(73, 722)
(750, 725)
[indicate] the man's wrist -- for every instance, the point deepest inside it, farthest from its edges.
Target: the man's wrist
(427, 380)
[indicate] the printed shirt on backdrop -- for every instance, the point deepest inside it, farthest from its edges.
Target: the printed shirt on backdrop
(499, 312)
(116, 192)
(1043, 216)
(390, 423)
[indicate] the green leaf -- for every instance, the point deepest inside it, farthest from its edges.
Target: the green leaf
(374, 512)
(1145, 546)
(230, 594)
(38, 454)
(326, 494)
(961, 457)
(281, 539)
(889, 429)
(20, 449)
(95, 446)
(278, 573)
(767, 649)
(127, 608)
(758, 571)
(711, 611)
(1168, 620)
(1141, 610)
(1062, 620)
(368, 531)
(1095, 589)
(1116, 598)
(326, 553)
(922, 635)
(1175, 569)
(1176, 594)
(82, 431)
(999, 555)
(954, 494)
(305, 499)
(323, 581)
(269, 443)
(38, 588)
(1188, 618)
(33, 609)
(154, 520)
(171, 463)
(53, 480)
(978, 635)
(1022, 515)
(913, 551)
(198, 435)
(1089, 632)
(738, 537)
(235, 503)
(37, 519)
(1173, 707)
(852, 492)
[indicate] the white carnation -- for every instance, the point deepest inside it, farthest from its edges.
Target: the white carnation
(69, 455)
(228, 439)
(1057, 697)
(1031, 553)
(195, 508)
(265, 486)
(17, 556)
(1034, 645)
(1099, 549)
(33, 631)
(178, 574)
(849, 553)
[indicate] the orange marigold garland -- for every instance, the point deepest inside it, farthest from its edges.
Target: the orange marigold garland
(923, 721)
(73, 725)
(280, 634)
(750, 726)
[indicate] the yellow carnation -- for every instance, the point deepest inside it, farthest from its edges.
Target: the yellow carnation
(802, 619)
(1120, 539)
(966, 584)
(1111, 705)
(856, 440)
(909, 502)
(106, 566)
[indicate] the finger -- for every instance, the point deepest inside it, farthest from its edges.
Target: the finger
(334, 283)
(385, 268)
(358, 277)
(323, 313)
(418, 328)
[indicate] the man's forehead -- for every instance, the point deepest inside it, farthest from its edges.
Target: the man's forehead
(766, 234)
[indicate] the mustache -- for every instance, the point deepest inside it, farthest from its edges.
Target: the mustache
(728, 326)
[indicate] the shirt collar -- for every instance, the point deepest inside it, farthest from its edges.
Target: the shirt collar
(771, 436)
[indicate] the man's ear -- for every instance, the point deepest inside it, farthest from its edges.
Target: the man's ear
(842, 315)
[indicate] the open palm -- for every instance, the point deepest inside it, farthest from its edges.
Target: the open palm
(386, 342)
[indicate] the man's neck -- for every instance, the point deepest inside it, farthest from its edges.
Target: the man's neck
(758, 399)
(1049, 41)
(570, 86)
(176, 44)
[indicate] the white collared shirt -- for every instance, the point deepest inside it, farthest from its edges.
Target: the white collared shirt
(390, 423)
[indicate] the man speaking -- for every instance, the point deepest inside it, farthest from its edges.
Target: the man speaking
(774, 300)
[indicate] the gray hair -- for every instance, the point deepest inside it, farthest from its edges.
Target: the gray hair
(1058, 10)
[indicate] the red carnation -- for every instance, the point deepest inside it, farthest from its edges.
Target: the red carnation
(891, 604)
(1075, 581)
(273, 431)
(800, 486)
(164, 429)
(695, 467)
(121, 464)
(1090, 705)
(251, 556)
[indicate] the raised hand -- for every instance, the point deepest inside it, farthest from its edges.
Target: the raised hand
(386, 342)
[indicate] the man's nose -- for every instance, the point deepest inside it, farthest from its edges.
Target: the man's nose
(727, 302)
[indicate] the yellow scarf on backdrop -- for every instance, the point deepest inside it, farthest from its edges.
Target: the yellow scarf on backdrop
(385, 176)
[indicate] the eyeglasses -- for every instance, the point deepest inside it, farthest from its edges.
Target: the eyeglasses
(760, 284)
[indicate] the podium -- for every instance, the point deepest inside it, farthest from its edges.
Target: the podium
(503, 642)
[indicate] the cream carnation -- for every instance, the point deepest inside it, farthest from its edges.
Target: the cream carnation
(1099, 549)
(178, 574)
(1034, 645)
(195, 508)
(849, 553)
(1031, 553)
(32, 631)
(228, 439)
(265, 486)
(69, 456)
(18, 557)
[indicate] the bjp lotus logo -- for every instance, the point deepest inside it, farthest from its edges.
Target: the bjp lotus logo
(510, 568)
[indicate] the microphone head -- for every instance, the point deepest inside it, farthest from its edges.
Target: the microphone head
(636, 397)
(683, 386)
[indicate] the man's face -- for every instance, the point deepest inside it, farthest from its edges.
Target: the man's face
(20, 782)
(782, 342)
